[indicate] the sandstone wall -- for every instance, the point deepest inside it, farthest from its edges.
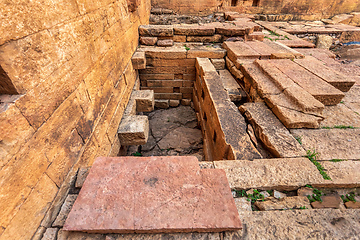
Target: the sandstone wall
(70, 61)
(305, 9)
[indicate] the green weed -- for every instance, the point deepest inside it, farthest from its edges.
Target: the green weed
(348, 197)
(312, 156)
(299, 139)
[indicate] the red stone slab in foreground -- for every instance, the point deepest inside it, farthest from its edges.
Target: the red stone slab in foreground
(153, 195)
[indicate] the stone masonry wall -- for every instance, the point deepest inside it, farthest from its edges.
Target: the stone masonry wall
(305, 9)
(69, 60)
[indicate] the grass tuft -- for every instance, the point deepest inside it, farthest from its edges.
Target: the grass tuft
(312, 156)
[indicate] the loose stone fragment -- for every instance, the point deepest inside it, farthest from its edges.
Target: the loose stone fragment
(156, 30)
(242, 204)
(279, 195)
(133, 130)
(50, 234)
(351, 205)
(304, 191)
(333, 201)
(174, 103)
(185, 102)
(138, 60)
(144, 100)
(165, 43)
(234, 90)
(219, 63)
(283, 204)
(162, 103)
(81, 176)
(149, 41)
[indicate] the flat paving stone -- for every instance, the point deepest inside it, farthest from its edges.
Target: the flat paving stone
(153, 195)
(295, 202)
(273, 134)
(340, 115)
(331, 143)
(298, 224)
(165, 236)
(274, 173)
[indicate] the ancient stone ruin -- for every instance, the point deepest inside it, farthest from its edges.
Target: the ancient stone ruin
(152, 119)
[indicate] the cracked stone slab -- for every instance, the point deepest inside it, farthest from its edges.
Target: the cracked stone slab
(273, 134)
(331, 143)
(153, 195)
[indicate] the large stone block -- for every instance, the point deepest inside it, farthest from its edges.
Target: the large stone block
(144, 100)
(134, 130)
(138, 60)
(156, 30)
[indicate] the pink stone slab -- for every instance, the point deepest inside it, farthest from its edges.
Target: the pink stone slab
(153, 195)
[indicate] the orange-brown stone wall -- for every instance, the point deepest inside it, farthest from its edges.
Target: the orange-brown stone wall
(306, 9)
(70, 61)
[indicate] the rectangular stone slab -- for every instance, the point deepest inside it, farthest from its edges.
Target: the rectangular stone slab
(336, 79)
(311, 83)
(275, 173)
(153, 195)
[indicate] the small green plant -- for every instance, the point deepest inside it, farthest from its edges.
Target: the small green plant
(337, 160)
(240, 193)
(357, 113)
(251, 197)
(303, 207)
(339, 127)
(348, 197)
(137, 154)
(186, 47)
(316, 196)
(269, 38)
(270, 191)
(342, 102)
(274, 34)
(312, 156)
(299, 139)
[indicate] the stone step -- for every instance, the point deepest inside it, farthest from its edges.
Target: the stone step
(144, 100)
(336, 79)
(236, 93)
(133, 130)
(272, 133)
(318, 88)
(138, 60)
(153, 195)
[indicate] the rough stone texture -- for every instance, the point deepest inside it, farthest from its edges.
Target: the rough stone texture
(186, 102)
(138, 60)
(145, 101)
(181, 138)
(166, 236)
(219, 63)
(174, 103)
(275, 137)
(152, 195)
(66, 235)
(304, 191)
(352, 205)
(149, 41)
(50, 234)
(324, 41)
(298, 224)
(275, 173)
(134, 130)
(156, 30)
(165, 43)
(278, 195)
(64, 211)
(340, 115)
(234, 90)
(194, 30)
(283, 204)
(331, 143)
(81, 176)
(205, 39)
(242, 204)
(343, 174)
(333, 201)
(162, 103)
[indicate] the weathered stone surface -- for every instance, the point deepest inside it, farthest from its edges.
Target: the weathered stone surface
(305, 191)
(298, 224)
(165, 43)
(278, 195)
(205, 39)
(181, 138)
(239, 50)
(50, 234)
(133, 130)
(131, 107)
(152, 195)
(336, 79)
(66, 235)
(174, 52)
(138, 60)
(340, 115)
(162, 103)
(324, 41)
(149, 41)
(194, 30)
(64, 211)
(231, 86)
(174, 103)
(275, 137)
(81, 176)
(156, 30)
(144, 100)
(242, 204)
(283, 204)
(206, 52)
(332, 201)
(219, 63)
(352, 205)
(186, 102)
(275, 173)
(166, 236)
(331, 143)
(258, 36)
